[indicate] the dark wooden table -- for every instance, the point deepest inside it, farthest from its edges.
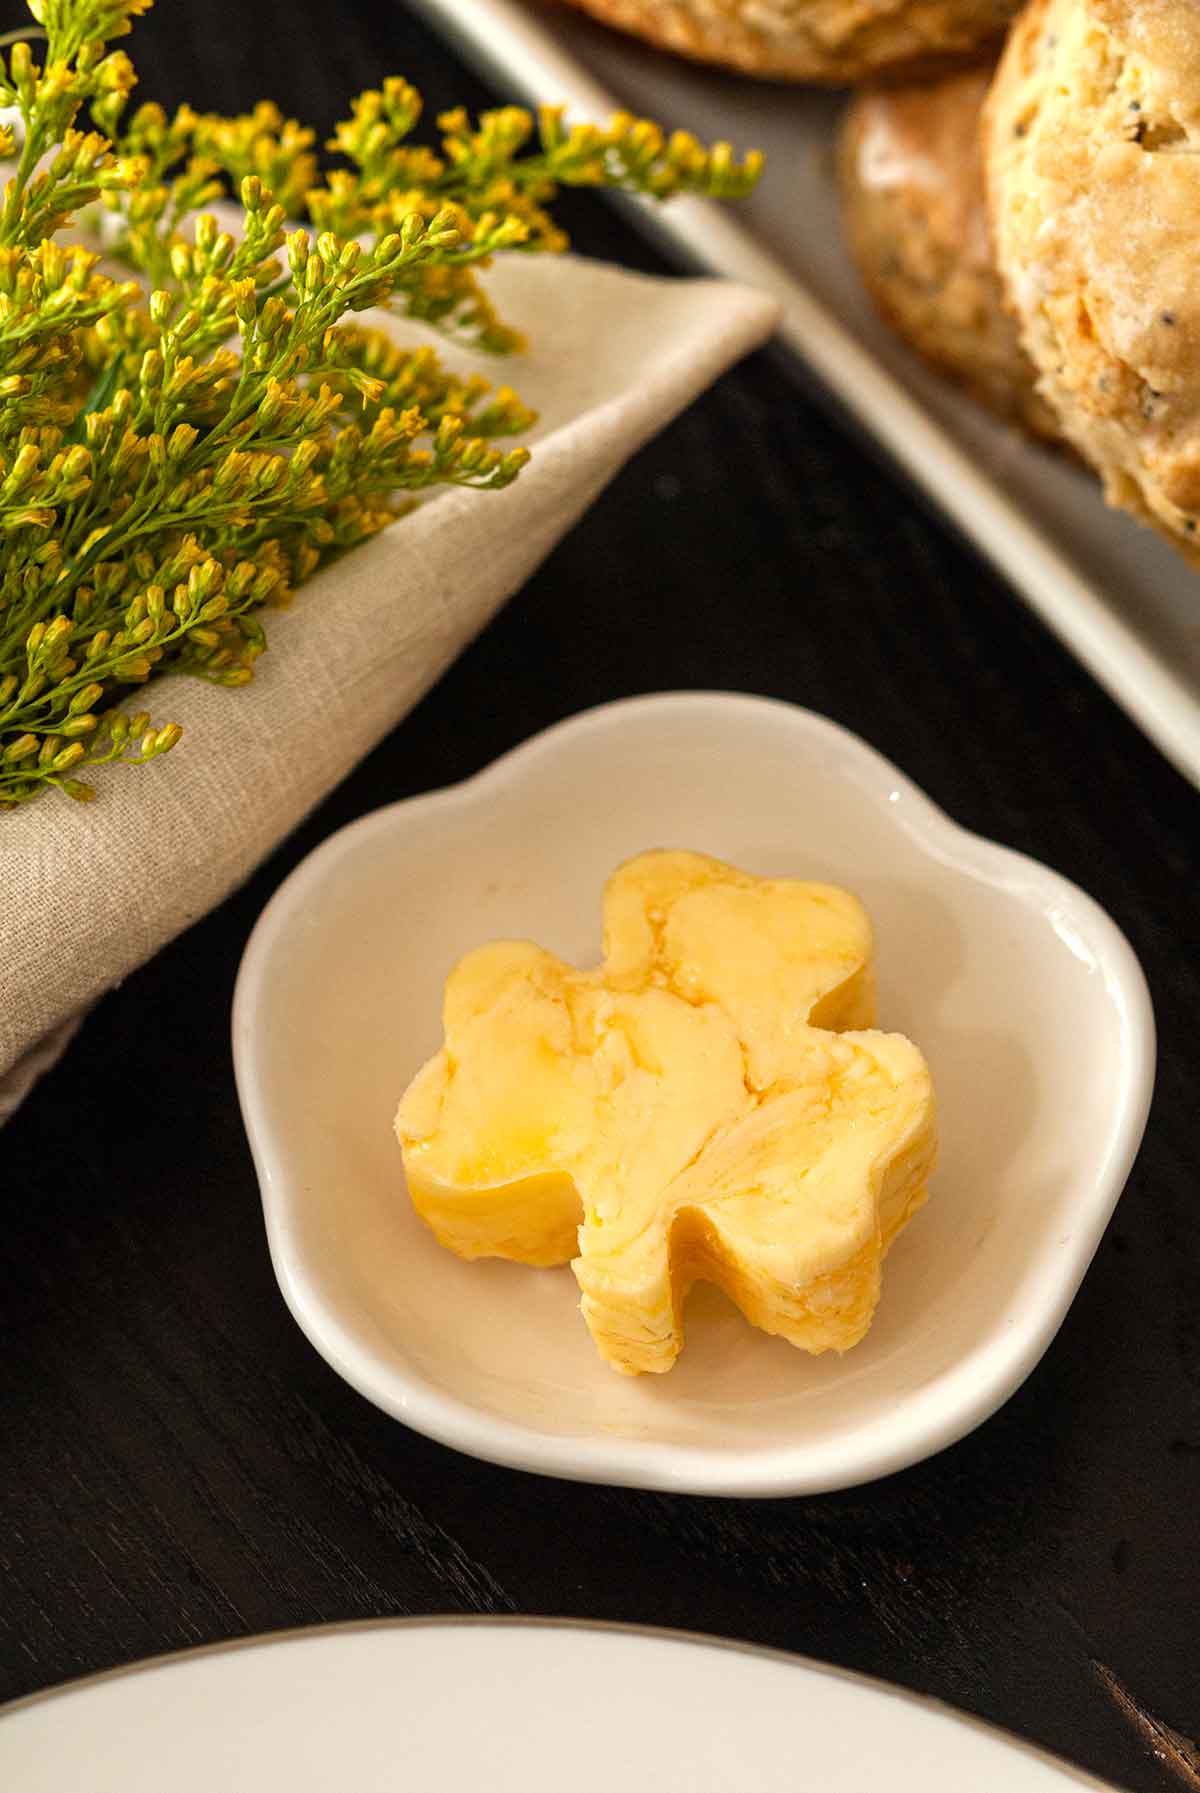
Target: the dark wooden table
(178, 1466)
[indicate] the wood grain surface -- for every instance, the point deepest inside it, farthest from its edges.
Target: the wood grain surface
(176, 1464)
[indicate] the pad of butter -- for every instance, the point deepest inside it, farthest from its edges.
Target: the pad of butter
(695, 1109)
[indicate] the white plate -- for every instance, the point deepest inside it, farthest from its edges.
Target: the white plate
(1124, 603)
(495, 1707)
(1026, 999)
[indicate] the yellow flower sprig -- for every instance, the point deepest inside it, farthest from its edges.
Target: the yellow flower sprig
(183, 447)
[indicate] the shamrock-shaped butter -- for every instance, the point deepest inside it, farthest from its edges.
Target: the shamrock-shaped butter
(685, 1112)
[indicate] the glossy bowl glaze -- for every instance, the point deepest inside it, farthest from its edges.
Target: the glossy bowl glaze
(1023, 995)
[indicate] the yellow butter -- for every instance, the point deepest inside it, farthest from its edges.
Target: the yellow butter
(684, 1112)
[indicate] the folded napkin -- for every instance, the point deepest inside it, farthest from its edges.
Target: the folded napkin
(89, 892)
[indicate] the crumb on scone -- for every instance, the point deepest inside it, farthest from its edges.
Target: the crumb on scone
(1093, 181)
(911, 179)
(810, 40)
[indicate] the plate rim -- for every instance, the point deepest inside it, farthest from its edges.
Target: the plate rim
(651, 1464)
(684, 1637)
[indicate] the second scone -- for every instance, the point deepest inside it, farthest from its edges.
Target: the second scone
(811, 40)
(911, 179)
(1090, 138)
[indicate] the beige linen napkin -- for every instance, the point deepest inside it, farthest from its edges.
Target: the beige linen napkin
(89, 892)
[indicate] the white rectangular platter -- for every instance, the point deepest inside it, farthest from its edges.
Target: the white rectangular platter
(1123, 602)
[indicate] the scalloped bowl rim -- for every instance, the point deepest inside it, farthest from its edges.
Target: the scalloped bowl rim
(934, 1418)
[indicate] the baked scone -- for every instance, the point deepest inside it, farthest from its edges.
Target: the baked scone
(810, 40)
(1090, 139)
(911, 179)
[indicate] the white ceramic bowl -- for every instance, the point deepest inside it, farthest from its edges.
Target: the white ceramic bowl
(1024, 996)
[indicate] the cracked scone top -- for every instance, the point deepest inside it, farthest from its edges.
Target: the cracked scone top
(810, 40)
(1090, 140)
(676, 1115)
(911, 182)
